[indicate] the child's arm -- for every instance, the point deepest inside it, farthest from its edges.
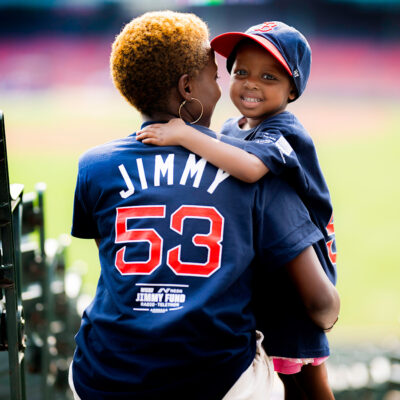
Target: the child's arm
(235, 161)
(317, 292)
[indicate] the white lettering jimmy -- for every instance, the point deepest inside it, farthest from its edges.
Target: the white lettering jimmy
(194, 169)
(165, 168)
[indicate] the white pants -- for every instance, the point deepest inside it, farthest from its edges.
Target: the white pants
(254, 384)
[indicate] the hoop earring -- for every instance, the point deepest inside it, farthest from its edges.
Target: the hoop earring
(184, 102)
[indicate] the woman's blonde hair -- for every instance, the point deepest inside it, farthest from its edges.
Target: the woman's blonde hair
(152, 52)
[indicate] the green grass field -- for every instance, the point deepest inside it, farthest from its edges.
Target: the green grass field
(361, 160)
(366, 196)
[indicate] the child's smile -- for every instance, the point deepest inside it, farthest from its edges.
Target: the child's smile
(250, 101)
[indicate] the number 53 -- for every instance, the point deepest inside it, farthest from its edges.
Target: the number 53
(212, 240)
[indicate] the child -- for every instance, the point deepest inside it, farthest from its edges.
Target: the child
(269, 66)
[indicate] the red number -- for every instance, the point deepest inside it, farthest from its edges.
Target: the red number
(123, 235)
(332, 255)
(212, 241)
(330, 228)
(331, 232)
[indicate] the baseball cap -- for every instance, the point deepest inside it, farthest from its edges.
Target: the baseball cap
(284, 42)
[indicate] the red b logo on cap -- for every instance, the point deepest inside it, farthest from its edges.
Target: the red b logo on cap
(266, 26)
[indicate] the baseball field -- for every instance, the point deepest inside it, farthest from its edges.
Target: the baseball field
(357, 137)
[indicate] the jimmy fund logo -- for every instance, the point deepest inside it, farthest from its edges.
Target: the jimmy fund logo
(159, 298)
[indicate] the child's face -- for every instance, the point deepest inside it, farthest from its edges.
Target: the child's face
(260, 86)
(207, 90)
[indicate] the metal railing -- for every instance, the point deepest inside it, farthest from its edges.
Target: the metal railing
(38, 317)
(12, 337)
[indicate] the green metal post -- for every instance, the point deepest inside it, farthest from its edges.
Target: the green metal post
(9, 277)
(47, 378)
(17, 210)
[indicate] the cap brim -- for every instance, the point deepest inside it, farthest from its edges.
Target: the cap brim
(225, 43)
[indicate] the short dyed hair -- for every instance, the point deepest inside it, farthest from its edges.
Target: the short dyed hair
(153, 51)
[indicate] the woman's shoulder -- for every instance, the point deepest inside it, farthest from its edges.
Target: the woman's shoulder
(103, 152)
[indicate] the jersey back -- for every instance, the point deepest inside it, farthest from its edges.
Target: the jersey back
(172, 312)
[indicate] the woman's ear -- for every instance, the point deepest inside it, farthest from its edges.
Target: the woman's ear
(185, 87)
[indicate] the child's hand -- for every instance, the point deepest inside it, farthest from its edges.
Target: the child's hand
(168, 134)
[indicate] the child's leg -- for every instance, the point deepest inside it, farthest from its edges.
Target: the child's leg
(313, 381)
(292, 389)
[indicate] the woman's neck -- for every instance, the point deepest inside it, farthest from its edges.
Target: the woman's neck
(165, 117)
(169, 112)
(158, 116)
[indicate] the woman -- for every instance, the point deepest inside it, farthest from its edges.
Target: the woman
(171, 316)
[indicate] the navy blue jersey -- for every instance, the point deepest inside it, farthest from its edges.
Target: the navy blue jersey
(285, 147)
(172, 315)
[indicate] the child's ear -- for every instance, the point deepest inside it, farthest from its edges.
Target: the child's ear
(292, 93)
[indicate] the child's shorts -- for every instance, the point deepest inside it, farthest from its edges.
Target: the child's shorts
(289, 366)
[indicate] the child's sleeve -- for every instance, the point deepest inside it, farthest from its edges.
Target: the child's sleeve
(271, 148)
(284, 228)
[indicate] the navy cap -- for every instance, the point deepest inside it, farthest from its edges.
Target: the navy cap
(284, 42)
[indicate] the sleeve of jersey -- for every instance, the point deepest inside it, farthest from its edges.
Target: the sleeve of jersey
(83, 224)
(271, 148)
(284, 228)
